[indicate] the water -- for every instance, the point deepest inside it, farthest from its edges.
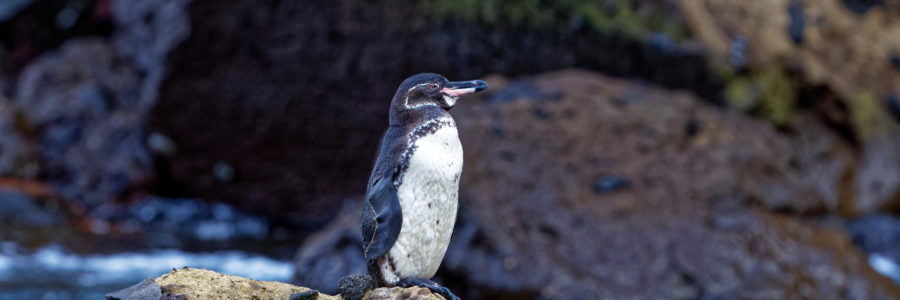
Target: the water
(884, 265)
(51, 272)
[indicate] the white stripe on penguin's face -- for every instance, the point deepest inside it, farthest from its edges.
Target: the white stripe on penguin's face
(450, 100)
(406, 100)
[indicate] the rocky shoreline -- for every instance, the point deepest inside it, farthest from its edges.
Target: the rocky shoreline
(707, 148)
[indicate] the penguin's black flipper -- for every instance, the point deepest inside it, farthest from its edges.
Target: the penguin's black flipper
(381, 219)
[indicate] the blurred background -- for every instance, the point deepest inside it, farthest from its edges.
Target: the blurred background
(662, 149)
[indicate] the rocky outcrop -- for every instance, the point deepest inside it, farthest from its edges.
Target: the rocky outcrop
(848, 50)
(82, 103)
(82, 108)
(187, 284)
(581, 186)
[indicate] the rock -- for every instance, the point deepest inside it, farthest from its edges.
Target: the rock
(861, 6)
(144, 290)
(88, 122)
(695, 222)
(31, 28)
(823, 160)
(17, 152)
(354, 287)
(147, 31)
(877, 233)
(305, 295)
(18, 210)
(189, 283)
(88, 101)
(413, 293)
(205, 284)
(683, 218)
(175, 223)
(865, 65)
(837, 37)
(877, 185)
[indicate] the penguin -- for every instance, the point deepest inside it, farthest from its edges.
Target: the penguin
(411, 199)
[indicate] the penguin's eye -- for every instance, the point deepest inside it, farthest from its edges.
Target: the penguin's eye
(433, 86)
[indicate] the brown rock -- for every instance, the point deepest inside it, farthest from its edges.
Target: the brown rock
(413, 293)
(206, 284)
(840, 49)
(686, 226)
(846, 52)
(189, 283)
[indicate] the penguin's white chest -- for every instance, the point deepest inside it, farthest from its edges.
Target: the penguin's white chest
(428, 198)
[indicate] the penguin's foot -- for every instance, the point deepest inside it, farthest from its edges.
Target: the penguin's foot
(430, 285)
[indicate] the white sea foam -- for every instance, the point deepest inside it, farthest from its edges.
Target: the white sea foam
(55, 264)
(885, 266)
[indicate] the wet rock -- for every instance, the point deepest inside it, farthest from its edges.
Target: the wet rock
(696, 221)
(168, 222)
(878, 233)
(168, 296)
(20, 210)
(144, 290)
(305, 295)
(181, 223)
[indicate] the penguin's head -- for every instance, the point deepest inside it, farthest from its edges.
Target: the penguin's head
(428, 89)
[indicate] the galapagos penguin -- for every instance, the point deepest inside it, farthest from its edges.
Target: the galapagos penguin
(411, 199)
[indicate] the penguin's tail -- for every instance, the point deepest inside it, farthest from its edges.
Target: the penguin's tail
(354, 287)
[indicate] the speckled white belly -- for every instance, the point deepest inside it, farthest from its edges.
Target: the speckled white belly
(428, 197)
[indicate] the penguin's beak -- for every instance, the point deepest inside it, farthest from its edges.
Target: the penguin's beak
(459, 88)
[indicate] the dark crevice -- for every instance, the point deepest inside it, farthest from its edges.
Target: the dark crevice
(46, 24)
